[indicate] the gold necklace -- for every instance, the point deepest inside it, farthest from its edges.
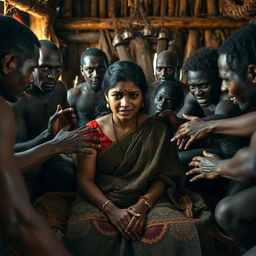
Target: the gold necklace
(116, 137)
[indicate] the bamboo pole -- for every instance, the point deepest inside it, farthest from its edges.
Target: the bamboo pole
(191, 8)
(94, 8)
(86, 8)
(212, 7)
(192, 44)
(77, 8)
(177, 8)
(124, 4)
(171, 7)
(183, 8)
(156, 7)
(198, 4)
(147, 7)
(112, 9)
(66, 9)
(156, 22)
(102, 8)
(163, 7)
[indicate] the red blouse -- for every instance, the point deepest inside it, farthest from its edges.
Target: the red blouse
(105, 141)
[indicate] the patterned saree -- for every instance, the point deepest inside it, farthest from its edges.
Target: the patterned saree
(179, 222)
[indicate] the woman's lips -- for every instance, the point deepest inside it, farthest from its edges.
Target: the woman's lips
(124, 112)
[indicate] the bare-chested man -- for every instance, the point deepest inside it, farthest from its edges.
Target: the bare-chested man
(235, 213)
(43, 95)
(204, 98)
(25, 231)
(87, 95)
(243, 92)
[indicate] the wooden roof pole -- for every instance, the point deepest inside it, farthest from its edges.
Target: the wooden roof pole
(155, 22)
(38, 10)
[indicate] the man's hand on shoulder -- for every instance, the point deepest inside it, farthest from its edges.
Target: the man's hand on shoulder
(74, 141)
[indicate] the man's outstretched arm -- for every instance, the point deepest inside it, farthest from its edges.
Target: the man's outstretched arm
(65, 142)
(196, 128)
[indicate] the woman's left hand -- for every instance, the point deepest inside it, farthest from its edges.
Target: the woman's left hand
(136, 224)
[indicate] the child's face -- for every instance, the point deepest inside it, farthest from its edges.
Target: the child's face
(165, 100)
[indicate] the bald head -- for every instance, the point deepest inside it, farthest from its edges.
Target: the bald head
(50, 66)
(166, 64)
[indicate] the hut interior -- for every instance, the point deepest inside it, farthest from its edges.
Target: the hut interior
(130, 29)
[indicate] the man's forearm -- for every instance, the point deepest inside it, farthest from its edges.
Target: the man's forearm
(239, 167)
(35, 156)
(26, 145)
(243, 125)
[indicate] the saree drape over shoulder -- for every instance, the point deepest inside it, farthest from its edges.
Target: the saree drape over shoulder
(175, 225)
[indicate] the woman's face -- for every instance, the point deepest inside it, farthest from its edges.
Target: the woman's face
(124, 100)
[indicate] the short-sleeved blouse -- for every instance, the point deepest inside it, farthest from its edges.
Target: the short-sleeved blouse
(105, 141)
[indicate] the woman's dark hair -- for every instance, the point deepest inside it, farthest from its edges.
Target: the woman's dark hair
(178, 93)
(124, 71)
(240, 49)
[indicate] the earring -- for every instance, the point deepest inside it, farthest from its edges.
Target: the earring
(107, 105)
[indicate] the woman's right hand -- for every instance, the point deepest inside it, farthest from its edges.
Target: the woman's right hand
(120, 218)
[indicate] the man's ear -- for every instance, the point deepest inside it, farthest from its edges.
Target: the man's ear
(251, 73)
(9, 63)
(82, 70)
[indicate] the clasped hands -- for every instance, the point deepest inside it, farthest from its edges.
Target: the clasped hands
(130, 222)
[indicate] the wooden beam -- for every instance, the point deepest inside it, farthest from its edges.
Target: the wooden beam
(38, 10)
(82, 37)
(156, 22)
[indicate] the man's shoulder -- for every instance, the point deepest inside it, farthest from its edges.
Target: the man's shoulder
(80, 88)
(23, 101)
(227, 107)
(189, 97)
(6, 111)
